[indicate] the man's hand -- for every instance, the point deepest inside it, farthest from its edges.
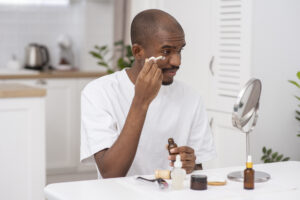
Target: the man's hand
(148, 82)
(187, 155)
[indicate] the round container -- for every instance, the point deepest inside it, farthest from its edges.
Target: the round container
(198, 182)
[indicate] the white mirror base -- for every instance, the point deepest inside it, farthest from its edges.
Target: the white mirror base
(239, 176)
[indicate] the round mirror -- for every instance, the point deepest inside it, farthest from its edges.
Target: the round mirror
(244, 117)
(245, 109)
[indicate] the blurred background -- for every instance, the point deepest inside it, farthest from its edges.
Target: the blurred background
(58, 46)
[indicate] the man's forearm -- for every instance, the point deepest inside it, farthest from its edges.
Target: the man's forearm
(116, 161)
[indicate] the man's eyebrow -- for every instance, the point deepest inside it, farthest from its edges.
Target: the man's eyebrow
(168, 47)
(171, 47)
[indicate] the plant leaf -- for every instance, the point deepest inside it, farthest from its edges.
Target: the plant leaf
(109, 71)
(103, 48)
(267, 160)
(298, 118)
(97, 55)
(298, 112)
(286, 159)
(264, 157)
(120, 62)
(269, 151)
(120, 42)
(298, 135)
(298, 75)
(264, 149)
(103, 64)
(128, 51)
(274, 155)
(294, 83)
(279, 158)
(297, 97)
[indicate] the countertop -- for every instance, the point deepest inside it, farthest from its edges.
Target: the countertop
(13, 90)
(284, 184)
(28, 74)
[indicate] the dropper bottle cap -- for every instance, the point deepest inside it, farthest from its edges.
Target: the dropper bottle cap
(249, 163)
(178, 163)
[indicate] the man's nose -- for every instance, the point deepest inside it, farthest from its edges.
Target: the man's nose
(175, 59)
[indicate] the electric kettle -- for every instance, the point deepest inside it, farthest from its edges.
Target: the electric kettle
(36, 57)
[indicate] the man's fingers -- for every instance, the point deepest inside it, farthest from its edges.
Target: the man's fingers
(187, 157)
(147, 66)
(152, 70)
(172, 157)
(182, 149)
(184, 157)
(157, 74)
(187, 165)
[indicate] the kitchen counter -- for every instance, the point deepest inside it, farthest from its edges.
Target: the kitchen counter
(50, 74)
(20, 90)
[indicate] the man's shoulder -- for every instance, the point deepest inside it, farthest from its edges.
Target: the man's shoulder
(102, 83)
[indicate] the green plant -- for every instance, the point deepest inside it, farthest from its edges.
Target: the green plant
(297, 97)
(125, 60)
(269, 156)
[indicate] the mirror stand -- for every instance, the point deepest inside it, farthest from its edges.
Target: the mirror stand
(244, 117)
(239, 175)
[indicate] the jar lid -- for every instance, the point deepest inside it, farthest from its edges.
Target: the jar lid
(199, 178)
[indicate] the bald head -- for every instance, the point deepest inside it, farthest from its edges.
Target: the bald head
(147, 23)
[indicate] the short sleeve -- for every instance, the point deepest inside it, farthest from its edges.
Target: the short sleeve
(98, 128)
(201, 137)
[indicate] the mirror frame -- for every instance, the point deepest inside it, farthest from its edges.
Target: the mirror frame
(236, 121)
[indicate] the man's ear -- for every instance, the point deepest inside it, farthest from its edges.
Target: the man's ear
(138, 52)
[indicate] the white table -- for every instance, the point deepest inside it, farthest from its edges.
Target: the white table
(284, 184)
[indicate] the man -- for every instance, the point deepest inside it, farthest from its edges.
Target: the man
(127, 117)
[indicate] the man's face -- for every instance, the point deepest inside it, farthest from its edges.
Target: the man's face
(168, 45)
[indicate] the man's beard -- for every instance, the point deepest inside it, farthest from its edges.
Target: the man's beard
(167, 69)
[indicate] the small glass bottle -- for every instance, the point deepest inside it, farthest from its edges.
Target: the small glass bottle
(171, 145)
(249, 175)
(178, 174)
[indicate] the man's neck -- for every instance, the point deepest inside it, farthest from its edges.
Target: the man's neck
(134, 71)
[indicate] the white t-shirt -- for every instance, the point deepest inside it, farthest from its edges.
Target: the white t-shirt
(176, 112)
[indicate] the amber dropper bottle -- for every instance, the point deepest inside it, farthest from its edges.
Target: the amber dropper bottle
(171, 145)
(249, 175)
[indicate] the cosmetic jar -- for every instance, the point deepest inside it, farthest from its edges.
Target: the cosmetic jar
(198, 182)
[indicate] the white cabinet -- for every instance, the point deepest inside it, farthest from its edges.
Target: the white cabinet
(62, 124)
(63, 128)
(230, 142)
(22, 148)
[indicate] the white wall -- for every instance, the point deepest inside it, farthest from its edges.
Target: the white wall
(276, 59)
(86, 22)
(98, 29)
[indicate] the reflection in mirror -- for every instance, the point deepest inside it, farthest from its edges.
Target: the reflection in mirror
(244, 113)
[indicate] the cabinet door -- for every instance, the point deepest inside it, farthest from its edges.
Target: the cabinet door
(61, 124)
(231, 61)
(22, 148)
(62, 105)
(229, 141)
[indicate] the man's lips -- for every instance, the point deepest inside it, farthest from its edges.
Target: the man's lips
(169, 72)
